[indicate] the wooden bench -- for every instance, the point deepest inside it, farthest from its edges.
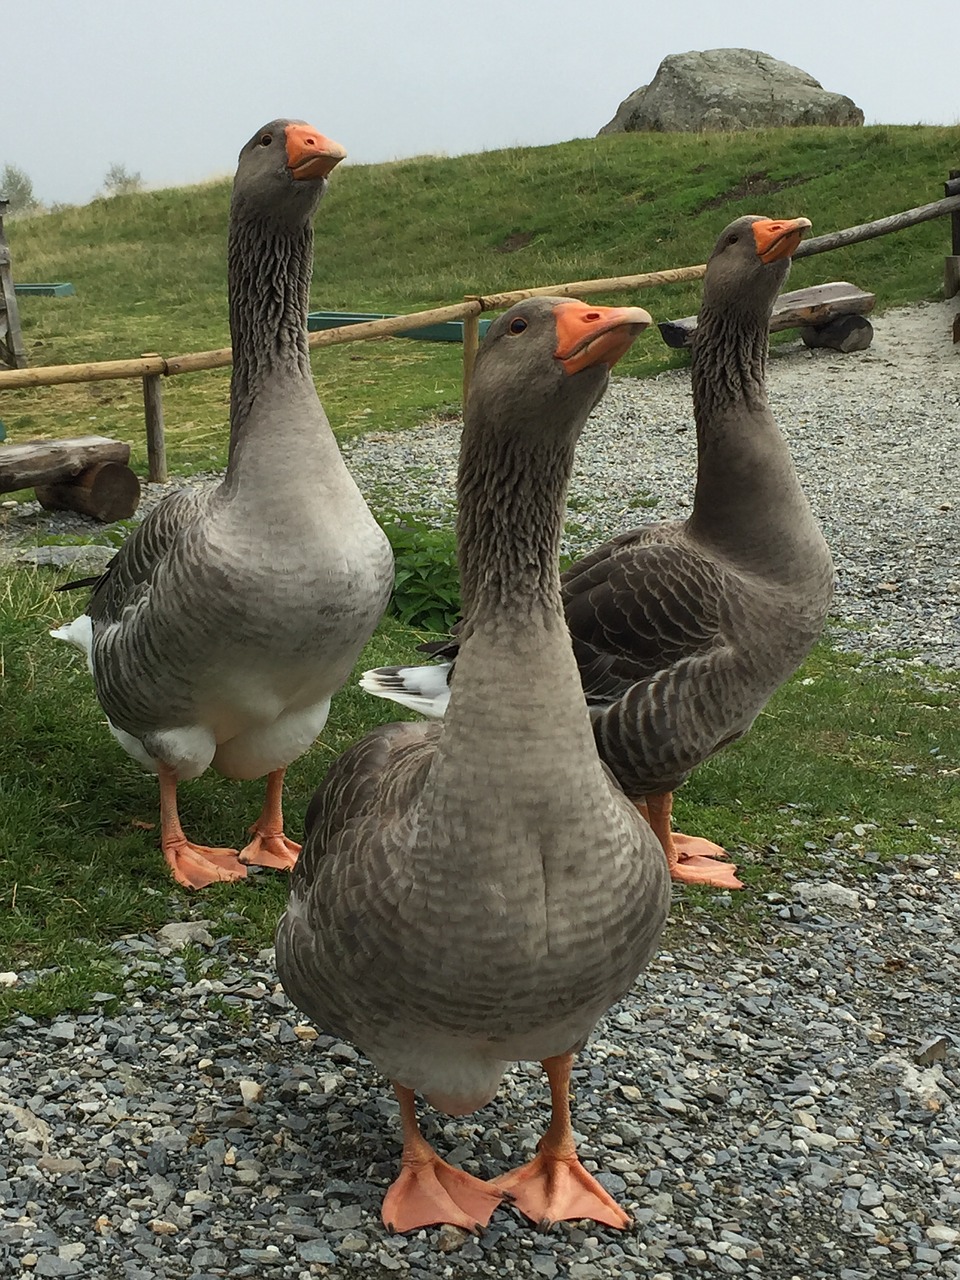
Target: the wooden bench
(827, 315)
(89, 474)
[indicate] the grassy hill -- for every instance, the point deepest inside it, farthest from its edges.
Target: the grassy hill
(149, 269)
(840, 744)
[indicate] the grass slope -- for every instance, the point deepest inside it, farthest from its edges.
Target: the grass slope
(150, 268)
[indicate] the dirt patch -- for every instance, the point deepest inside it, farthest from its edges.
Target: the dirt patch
(514, 241)
(753, 184)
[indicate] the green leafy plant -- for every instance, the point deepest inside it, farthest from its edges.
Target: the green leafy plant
(426, 590)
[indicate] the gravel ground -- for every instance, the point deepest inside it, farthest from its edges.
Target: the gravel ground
(875, 435)
(783, 1108)
(784, 1111)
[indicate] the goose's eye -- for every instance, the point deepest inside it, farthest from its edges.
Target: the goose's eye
(266, 139)
(732, 239)
(518, 325)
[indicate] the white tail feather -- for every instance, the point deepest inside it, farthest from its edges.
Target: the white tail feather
(423, 689)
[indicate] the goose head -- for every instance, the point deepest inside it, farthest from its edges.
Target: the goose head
(751, 261)
(545, 363)
(282, 173)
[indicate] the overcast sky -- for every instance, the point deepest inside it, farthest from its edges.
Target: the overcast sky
(173, 90)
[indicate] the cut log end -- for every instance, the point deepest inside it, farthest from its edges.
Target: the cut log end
(107, 491)
(846, 333)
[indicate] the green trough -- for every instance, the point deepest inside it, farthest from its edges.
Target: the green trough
(62, 290)
(449, 331)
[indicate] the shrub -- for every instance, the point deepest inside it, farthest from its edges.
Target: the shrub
(426, 591)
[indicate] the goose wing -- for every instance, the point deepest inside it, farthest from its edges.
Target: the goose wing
(637, 606)
(129, 574)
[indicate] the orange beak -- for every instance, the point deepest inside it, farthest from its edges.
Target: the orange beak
(310, 154)
(777, 240)
(588, 336)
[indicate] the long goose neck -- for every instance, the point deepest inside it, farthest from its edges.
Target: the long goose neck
(509, 524)
(269, 284)
(748, 502)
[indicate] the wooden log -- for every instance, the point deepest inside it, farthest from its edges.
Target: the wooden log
(107, 491)
(881, 227)
(846, 333)
(156, 440)
(52, 375)
(576, 288)
(49, 461)
(471, 343)
(815, 306)
(951, 266)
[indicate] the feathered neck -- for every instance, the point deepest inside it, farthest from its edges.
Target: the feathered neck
(511, 502)
(269, 286)
(729, 363)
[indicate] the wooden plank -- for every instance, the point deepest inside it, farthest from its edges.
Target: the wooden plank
(813, 306)
(49, 461)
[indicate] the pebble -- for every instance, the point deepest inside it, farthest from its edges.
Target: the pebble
(782, 1124)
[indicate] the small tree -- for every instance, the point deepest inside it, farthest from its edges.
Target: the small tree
(120, 182)
(16, 187)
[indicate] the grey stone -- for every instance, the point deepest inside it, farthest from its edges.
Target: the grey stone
(728, 90)
(180, 932)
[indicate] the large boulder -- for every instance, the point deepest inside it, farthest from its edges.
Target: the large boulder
(729, 89)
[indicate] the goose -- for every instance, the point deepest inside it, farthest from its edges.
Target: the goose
(226, 622)
(683, 630)
(480, 890)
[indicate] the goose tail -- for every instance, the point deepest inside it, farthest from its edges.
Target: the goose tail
(423, 689)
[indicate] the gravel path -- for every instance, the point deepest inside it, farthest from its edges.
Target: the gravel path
(787, 1111)
(783, 1108)
(876, 439)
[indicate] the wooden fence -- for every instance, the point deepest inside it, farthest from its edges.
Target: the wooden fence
(151, 367)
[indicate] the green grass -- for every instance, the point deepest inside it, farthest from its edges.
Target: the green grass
(840, 745)
(149, 268)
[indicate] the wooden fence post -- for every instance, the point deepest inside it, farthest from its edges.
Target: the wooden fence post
(951, 267)
(12, 352)
(471, 341)
(153, 413)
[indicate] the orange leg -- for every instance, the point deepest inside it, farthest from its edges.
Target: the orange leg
(691, 859)
(429, 1191)
(193, 865)
(269, 846)
(554, 1186)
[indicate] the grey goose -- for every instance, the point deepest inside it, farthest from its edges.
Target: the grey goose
(479, 890)
(226, 622)
(684, 629)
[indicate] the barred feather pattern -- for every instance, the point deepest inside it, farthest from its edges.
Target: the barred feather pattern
(480, 890)
(228, 619)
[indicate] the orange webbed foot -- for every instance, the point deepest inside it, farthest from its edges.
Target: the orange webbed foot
(700, 861)
(697, 847)
(722, 875)
(553, 1188)
(196, 865)
(270, 851)
(431, 1192)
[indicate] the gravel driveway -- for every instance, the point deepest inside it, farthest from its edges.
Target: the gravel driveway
(781, 1109)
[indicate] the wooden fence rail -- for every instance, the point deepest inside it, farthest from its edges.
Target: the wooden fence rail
(150, 368)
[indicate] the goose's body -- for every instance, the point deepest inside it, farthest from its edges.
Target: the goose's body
(683, 630)
(481, 891)
(228, 620)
